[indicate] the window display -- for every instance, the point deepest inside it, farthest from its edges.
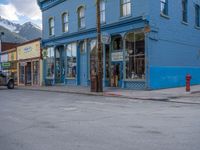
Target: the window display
(71, 60)
(50, 62)
(135, 56)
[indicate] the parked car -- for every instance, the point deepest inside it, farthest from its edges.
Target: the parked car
(6, 80)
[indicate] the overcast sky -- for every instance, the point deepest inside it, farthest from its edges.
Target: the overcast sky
(21, 11)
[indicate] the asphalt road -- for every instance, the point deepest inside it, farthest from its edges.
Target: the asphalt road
(31, 120)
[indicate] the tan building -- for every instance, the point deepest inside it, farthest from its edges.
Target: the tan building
(29, 63)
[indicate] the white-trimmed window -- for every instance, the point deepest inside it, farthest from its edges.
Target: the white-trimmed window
(135, 56)
(103, 11)
(184, 10)
(125, 8)
(197, 15)
(81, 17)
(164, 7)
(51, 26)
(65, 22)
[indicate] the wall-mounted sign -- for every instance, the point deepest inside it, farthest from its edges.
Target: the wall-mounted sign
(117, 56)
(31, 50)
(6, 64)
(105, 38)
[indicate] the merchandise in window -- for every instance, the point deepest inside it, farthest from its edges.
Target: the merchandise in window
(117, 43)
(135, 56)
(50, 62)
(82, 47)
(93, 57)
(71, 60)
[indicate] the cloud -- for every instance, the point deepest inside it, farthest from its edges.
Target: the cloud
(9, 11)
(28, 8)
(20, 8)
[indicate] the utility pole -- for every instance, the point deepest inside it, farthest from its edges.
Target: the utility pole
(99, 48)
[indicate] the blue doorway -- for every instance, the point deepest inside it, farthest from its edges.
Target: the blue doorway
(116, 74)
(59, 65)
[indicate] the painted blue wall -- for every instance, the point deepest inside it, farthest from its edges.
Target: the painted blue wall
(173, 47)
(139, 8)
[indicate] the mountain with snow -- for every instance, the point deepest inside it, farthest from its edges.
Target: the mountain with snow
(14, 32)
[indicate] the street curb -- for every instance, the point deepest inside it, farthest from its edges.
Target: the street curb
(59, 91)
(104, 94)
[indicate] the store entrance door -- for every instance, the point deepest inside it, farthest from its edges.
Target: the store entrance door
(116, 74)
(28, 73)
(60, 66)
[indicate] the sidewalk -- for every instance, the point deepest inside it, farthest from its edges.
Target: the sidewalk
(173, 94)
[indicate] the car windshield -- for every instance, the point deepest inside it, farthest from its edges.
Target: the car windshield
(2, 73)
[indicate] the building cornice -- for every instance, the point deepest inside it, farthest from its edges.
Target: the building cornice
(47, 4)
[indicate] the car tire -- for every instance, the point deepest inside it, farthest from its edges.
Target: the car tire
(11, 85)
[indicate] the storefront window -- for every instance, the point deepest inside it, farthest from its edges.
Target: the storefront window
(82, 47)
(50, 62)
(22, 73)
(135, 56)
(93, 57)
(71, 60)
(117, 43)
(107, 61)
(36, 72)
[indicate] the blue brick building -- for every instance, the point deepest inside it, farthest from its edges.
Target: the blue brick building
(153, 44)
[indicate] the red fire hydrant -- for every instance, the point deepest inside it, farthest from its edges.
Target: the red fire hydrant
(188, 79)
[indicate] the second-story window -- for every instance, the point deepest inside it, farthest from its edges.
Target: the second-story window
(164, 7)
(184, 11)
(65, 22)
(197, 15)
(103, 11)
(51, 26)
(81, 17)
(125, 8)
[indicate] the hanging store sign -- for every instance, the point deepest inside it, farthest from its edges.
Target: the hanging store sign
(117, 56)
(105, 38)
(30, 50)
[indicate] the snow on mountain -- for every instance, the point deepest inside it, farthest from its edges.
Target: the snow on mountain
(30, 24)
(27, 31)
(8, 24)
